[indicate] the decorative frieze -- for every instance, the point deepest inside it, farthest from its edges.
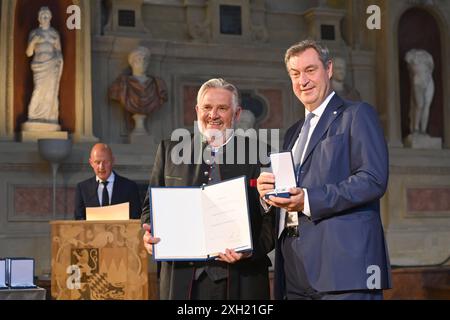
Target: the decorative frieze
(428, 201)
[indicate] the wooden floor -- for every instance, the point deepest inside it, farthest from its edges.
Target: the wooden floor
(429, 283)
(424, 283)
(153, 286)
(408, 284)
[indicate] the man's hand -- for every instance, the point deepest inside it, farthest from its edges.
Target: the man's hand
(294, 203)
(265, 183)
(231, 256)
(149, 241)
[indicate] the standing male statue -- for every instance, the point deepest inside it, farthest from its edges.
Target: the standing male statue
(47, 65)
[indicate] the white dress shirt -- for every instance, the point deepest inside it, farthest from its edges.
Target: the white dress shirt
(318, 113)
(109, 187)
(293, 216)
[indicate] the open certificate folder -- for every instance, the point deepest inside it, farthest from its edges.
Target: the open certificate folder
(196, 223)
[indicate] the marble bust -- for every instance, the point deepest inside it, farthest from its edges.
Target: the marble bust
(139, 92)
(246, 120)
(338, 81)
(245, 126)
(420, 67)
(45, 47)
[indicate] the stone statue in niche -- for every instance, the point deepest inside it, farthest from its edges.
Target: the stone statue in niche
(47, 65)
(246, 120)
(338, 81)
(139, 93)
(420, 66)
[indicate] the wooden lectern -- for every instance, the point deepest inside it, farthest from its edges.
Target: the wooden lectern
(98, 260)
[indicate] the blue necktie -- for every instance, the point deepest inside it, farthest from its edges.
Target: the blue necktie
(302, 142)
(105, 195)
(290, 218)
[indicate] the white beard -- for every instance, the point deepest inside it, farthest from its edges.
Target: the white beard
(216, 137)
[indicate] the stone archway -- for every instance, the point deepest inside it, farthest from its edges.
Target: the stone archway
(25, 20)
(418, 29)
(14, 84)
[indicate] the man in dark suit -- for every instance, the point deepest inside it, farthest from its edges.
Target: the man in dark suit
(331, 242)
(234, 275)
(107, 187)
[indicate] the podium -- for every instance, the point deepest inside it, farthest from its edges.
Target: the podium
(98, 260)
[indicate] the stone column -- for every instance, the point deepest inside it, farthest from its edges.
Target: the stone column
(6, 85)
(387, 78)
(83, 95)
(363, 75)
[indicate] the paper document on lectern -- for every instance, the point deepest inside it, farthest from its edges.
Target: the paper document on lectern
(114, 212)
(196, 223)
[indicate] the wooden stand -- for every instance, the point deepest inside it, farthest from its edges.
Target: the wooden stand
(98, 260)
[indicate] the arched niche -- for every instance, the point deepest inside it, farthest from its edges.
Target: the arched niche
(418, 29)
(25, 20)
(18, 18)
(255, 104)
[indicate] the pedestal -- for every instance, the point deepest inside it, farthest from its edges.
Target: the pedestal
(139, 124)
(32, 131)
(142, 140)
(139, 135)
(40, 126)
(33, 136)
(423, 141)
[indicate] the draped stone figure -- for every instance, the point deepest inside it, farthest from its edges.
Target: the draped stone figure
(420, 66)
(247, 120)
(139, 93)
(47, 65)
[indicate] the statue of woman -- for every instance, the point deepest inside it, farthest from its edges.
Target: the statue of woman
(420, 66)
(45, 47)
